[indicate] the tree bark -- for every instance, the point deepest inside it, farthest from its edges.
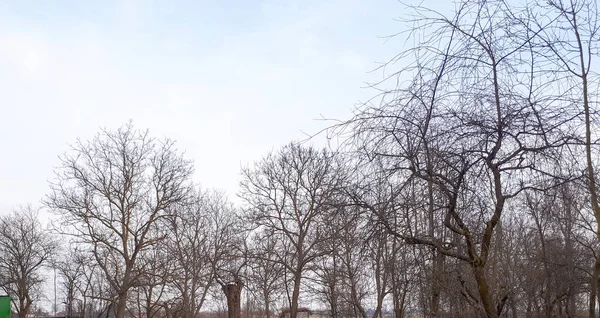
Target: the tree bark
(267, 306)
(438, 261)
(23, 308)
(484, 292)
(295, 296)
(121, 307)
(594, 289)
(233, 292)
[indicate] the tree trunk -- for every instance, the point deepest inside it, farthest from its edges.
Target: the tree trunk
(594, 289)
(380, 283)
(84, 309)
(399, 306)
(267, 305)
(399, 297)
(149, 304)
(484, 292)
(438, 262)
(333, 303)
(121, 306)
(377, 312)
(356, 302)
(22, 309)
(548, 304)
(233, 292)
(295, 296)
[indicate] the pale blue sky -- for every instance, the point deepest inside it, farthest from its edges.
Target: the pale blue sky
(229, 80)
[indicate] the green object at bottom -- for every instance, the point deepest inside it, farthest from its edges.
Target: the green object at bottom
(4, 306)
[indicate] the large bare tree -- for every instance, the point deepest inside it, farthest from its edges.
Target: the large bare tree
(467, 129)
(112, 192)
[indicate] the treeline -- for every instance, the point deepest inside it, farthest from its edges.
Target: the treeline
(467, 188)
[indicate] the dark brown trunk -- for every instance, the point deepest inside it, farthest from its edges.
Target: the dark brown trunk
(121, 306)
(149, 304)
(124, 289)
(295, 296)
(233, 292)
(568, 307)
(548, 306)
(22, 309)
(484, 293)
(70, 304)
(84, 309)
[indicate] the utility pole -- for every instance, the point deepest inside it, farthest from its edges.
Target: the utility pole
(55, 304)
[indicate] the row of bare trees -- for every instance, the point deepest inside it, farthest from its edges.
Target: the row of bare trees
(311, 232)
(468, 190)
(311, 235)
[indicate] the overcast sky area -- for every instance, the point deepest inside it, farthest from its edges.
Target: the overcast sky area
(229, 80)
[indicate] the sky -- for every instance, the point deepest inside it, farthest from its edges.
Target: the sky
(228, 80)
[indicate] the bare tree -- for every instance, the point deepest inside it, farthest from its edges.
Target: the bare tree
(289, 193)
(341, 272)
(328, 276)
(566, 43)
(112, 192)
(83, 285)
(97, 292)
(151, 288)
(25, 247)
(470, 128)
(380, 263)
(71, 267)
(190, 247)
(349, 246)
(228, 250)
(265, 277)
(231, 281)
(205, 242)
